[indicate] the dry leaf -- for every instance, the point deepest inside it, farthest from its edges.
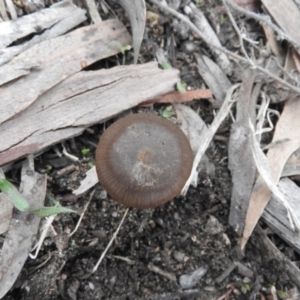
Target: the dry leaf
(177, 97)
(241, 163)
(292, 166)
(195, 129)
(136, 10)
(6, 209)
(286, 128)
(275, 213)
(221, 115)
(214, 77)
(23, 227)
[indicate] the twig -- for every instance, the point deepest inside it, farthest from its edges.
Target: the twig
(110, 242)
(238, 32)
(229, 53)
(82, 214)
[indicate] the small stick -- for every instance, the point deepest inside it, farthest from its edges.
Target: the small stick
(82, 214)
(110, 242)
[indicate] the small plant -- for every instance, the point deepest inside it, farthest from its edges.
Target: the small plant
(20, 203)
(199, 2)
(85, 151)
(90, 164)
(222, 19)
(123, 49)
(168, 112)
(246, 288)
(13, 194)
(181, 87)
(282, 294)
(165, 65)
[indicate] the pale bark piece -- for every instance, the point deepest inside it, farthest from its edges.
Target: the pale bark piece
(214, 77)
(195, 129)
(203, 25)
(3, 11)
(275, 214)
(192, 125)
(68, 17)
(6, 209)
(136, 10)
(88, 182)
(84, 99)
(11, 9)
(287, 16)
(11, 31)
(93, 11)
(286, 128)
(54, 60)
(240, 160)
(22, 228)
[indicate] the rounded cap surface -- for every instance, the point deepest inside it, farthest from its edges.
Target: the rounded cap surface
(143, 160)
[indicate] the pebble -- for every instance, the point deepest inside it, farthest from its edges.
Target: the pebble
(179, 256)
(189, 281)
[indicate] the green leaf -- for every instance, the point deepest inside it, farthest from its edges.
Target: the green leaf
(165, 66)
(52, 210)
(85, 151)
(11, 191)
(90, 164)
(52, 199)
(181, 87)
(281, 294)
(168, 112)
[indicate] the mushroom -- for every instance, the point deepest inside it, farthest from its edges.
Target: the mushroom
(143, 160)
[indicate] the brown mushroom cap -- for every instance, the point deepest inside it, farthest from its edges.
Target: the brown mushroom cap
(143, 160)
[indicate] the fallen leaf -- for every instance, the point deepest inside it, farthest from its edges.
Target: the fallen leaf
(6, 209)
(241, 163)
(22, 228)
(136, 10)
(214, 77)
(195, 129)
(221, 115)
(277, 157)
(177, 97)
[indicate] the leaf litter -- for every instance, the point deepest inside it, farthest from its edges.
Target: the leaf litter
(281, 155)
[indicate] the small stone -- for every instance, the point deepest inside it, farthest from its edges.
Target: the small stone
(188, 47)
(179, 256)
(213, 226)
(189, 281)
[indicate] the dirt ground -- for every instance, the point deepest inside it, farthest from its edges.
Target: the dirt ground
(154, 247)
